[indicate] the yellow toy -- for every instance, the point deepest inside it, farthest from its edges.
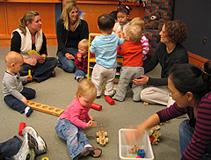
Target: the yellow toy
(34, 54)
(46, 108)
(102, 136)
(29, 73)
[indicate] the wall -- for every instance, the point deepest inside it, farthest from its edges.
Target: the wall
(196, 15)
(12, 10)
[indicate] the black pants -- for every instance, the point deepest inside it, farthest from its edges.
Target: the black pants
(15, 103)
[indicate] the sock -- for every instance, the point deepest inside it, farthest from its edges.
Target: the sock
(26, 110)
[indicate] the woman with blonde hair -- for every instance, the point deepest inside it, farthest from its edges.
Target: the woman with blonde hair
(29, 40)
(70, 30)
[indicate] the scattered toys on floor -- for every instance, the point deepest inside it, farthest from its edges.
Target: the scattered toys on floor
(102, 136)
(154, 135)
(109, 100)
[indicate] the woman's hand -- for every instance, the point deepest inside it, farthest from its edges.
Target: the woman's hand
(133, 137)
(142, 80)
(69, 56)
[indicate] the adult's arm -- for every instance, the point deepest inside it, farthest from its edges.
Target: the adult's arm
(152, 61)
(43, 49)
(61, 36)
(15, 42)
(84, 30)
(201, 137)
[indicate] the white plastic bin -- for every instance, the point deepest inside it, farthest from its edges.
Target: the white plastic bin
(144, 144)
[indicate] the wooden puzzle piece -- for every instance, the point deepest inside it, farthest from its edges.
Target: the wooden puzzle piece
(102, 137)
(45, 108)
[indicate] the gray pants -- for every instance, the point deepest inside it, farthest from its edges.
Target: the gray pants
(126, 76)
(157, 95)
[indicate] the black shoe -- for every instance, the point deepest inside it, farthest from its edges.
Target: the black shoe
(98, 97)
(29, 112)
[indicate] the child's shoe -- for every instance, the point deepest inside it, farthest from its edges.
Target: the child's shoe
(90, 151)
(26, 152)
(28, 111)
(40, 146)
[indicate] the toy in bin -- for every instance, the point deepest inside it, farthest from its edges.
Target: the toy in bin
(141, 150)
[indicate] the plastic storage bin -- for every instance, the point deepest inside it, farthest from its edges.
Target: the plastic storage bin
(144, 144)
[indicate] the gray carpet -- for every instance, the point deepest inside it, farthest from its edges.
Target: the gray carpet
(59, 91)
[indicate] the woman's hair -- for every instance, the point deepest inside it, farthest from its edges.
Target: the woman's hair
(124, 9)
(189, 78)
(176, 31)
(65, 13)
(27, 18)
(105, 22)
(87, 89)
(134, 32)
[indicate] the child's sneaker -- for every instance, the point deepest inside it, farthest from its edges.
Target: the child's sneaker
(28, 111)
(40, 146)
(26, 152)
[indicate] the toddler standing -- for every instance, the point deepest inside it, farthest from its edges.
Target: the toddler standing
(81, 60)
(15, 95)
(75, 118)
(105, 49)
(131, 50)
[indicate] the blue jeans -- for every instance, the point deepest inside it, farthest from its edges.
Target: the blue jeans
(79, 73)
(41, 71)
(66, 64)
(74, 137)
(185, 135)
(17, 104)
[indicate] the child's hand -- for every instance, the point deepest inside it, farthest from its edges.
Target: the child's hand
(91, 118)
(24, 100)
(29, 78)
(92, 123)
(42, 58)
(79, 57)
(69, 56)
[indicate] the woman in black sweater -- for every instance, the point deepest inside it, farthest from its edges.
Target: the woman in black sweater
(70, 30)
(169, 52)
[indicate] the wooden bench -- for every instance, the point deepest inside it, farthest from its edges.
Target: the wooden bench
(196, 59)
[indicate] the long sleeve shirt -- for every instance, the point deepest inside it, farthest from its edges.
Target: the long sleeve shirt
(166, 60)
(81, 64)
(76, 114)
(132, 54)
(201, 138)
(105, 49)
(67, 38)
(12, 85)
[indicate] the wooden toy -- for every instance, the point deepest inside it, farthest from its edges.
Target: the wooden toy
(109, 100)
(29, 73)
(154, 135)
(96, 106)
(102, 136)
(134, 149)
(45, 108)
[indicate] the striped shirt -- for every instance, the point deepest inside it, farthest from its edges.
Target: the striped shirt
(201, 138)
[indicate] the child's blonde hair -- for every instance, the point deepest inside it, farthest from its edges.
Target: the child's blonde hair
(13, 58)
(83, 43)
(87, 89)
(134, 33)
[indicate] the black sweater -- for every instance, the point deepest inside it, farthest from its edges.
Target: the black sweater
(16, 44)
(166, 60)
(68, 39)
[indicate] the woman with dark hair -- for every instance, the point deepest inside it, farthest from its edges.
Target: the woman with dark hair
(70, 30)
(169, 52)
(190, 88)
(29, 40)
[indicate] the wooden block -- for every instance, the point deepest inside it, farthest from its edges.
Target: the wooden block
(45, 108)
